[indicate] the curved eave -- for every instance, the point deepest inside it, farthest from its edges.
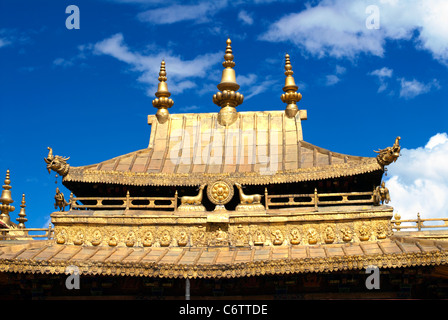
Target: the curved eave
(366, 165)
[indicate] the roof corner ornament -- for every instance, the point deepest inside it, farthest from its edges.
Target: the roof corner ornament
(162, 102)
(228, 99)
(57, 163)
(390, 154)
(291, 96)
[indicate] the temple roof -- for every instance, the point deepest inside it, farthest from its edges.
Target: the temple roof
(50, 258)
(258, 148)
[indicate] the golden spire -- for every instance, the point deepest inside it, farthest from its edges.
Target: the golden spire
(22, 215)
(228, 99)
(162, 102)
(6, 200)
(291, 96)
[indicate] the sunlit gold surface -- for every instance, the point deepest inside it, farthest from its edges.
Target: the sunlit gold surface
(228, 99)
(162, 103)
(390, 154)
(291, 96)
(57, 163)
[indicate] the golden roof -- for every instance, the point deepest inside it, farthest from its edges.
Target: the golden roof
(50, 258)
(258, 148)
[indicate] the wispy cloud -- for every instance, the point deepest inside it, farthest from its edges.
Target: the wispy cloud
(382, 74)
(412, 88)
(199, 13)
(245, 17)
(180, 72)
(332, 79)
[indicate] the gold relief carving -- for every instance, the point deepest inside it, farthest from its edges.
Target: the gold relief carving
(113, 240)
(61, 237)
(364, 233)
(79, 238)
(148, 239)
(241, 238)
(199, 237)
(312, 236)
(220, 237)
(329, 235)
(277, 237)
(381, 231)
(220, 192)
(294, 236)
(258, 238)
(131, 239)
(96, 238)
(182, 240)
(346, 234)
(165, 239)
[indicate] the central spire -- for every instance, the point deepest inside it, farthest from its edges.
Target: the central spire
(162, 102)
(228, 99)
(291, 96)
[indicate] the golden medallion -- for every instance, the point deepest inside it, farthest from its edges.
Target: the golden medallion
(220, 192)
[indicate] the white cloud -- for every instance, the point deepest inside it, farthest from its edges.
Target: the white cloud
(383, 74)
(245, 17)
(412, 88)
(200, 12)
(251, 86)
(331, 79)
(419, 180)
(4, 42)
(337, 28)
(180, 72)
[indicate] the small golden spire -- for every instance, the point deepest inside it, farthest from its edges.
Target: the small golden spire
(228, 99)
(6, 200)
(291, 96)
(22, 215)
(162, 102)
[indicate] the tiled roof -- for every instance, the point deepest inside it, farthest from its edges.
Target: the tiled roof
(48, 257)
(260, 147)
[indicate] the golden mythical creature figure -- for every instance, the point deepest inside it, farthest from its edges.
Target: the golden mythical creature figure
(57, 163)
(247, 199)
(60, 200)
(390, 154)
(192, 203)
(381, 194)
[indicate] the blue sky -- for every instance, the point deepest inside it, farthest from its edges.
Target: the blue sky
(87, 92)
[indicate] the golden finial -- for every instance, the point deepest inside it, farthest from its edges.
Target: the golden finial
(6, 200)
(162, 102)
(291, 96)
(228, 99)
(22, 215)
